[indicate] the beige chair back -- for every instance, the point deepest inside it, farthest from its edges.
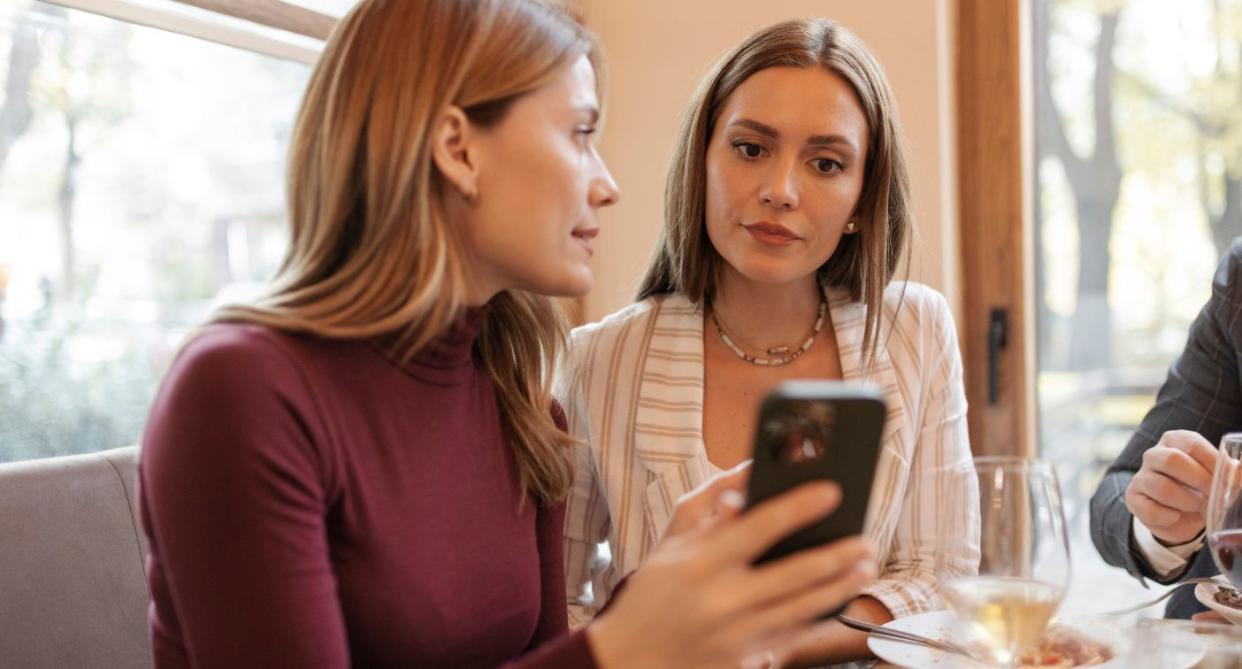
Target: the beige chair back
(73, 589)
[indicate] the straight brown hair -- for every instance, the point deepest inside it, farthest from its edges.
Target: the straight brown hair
(372, 254)
(864, 262)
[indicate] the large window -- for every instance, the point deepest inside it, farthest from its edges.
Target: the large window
(1138, 193)
(141, 184)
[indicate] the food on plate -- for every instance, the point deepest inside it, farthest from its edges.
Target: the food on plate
(1230, 598)
(1063, 647)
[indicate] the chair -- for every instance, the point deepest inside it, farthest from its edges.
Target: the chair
(73, 589)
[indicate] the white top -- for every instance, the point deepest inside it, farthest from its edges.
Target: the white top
(632, 390)
(1164, 560)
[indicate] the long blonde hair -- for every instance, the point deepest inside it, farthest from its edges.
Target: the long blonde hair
(685, 260)
(372, 254)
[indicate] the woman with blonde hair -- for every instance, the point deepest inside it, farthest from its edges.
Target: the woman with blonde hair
(787, 213)
(366, 466)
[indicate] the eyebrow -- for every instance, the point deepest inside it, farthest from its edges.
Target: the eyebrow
(590, 110)
(773, 133)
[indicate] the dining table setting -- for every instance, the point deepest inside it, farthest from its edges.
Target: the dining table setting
(1007, 612)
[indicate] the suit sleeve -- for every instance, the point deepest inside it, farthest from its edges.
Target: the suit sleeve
(1201, 393)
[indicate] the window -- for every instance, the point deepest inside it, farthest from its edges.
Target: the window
(141, 185)
(1135, 202)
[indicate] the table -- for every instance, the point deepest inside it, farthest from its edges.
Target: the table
(1221, 645)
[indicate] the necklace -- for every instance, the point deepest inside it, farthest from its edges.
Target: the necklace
(785, 357)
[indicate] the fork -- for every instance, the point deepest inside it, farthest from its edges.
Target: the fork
(906, 637)
(1169, 593)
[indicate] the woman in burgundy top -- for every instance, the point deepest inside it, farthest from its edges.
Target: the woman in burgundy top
(363, 467)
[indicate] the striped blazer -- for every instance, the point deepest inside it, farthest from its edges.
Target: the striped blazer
(632, 388)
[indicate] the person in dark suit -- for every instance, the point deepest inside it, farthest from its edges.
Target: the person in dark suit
(1148, 513)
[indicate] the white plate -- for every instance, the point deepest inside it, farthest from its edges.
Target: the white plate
(1205, 592)
(936, 625)
(939, 625)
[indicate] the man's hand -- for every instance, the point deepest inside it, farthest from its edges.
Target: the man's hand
(1169, 493)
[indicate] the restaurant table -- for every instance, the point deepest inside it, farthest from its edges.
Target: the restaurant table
(1219, 643)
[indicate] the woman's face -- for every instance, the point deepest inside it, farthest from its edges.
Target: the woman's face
(784, 172)
(540, 182)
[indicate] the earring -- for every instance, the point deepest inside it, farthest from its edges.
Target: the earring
(849, 227)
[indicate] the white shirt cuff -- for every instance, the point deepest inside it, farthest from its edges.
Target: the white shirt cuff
(1164, 560)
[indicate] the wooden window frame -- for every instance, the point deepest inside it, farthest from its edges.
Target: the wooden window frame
(269, 27)
(994, 144)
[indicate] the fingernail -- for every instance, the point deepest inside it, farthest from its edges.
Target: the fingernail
(732, 499)
(828, 491)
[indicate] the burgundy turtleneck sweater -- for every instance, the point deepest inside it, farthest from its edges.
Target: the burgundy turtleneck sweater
(311, 503)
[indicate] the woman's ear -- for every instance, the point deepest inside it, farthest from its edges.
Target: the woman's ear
(451, 151)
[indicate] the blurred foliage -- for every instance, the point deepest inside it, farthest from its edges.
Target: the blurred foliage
(143, 183)
(54, 404)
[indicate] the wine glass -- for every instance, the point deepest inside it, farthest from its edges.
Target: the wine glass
(1224, 512)
(1010, 507)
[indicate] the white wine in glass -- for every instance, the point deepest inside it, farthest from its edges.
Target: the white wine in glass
(1010, 613)
(1008, 599)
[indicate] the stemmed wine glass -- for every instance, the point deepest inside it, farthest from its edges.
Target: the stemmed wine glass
(1224, 512)
(1011, 508)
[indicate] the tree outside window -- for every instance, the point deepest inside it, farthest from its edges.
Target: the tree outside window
(1138, 167)
(141, 185)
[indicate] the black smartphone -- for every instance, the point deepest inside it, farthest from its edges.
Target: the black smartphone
(815, 430)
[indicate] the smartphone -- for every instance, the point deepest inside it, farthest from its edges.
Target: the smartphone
(816, 430)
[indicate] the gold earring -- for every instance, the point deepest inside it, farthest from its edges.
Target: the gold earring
(849, 227)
